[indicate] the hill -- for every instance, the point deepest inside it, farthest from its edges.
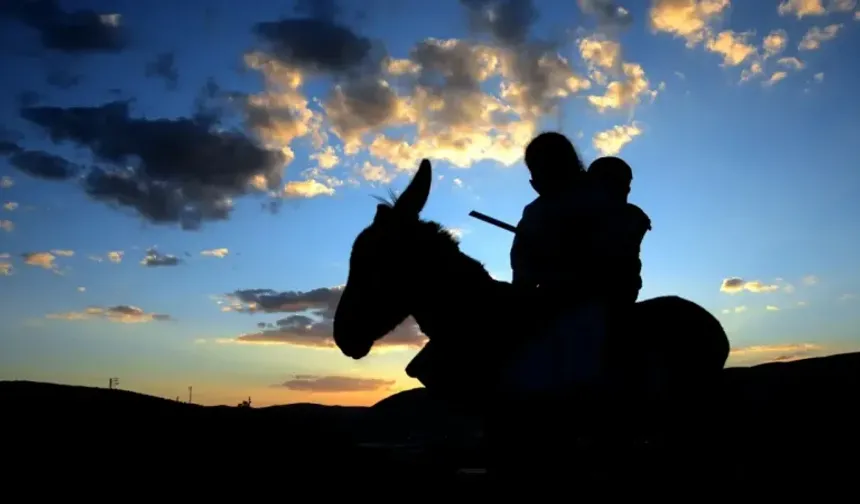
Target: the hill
(773, 420)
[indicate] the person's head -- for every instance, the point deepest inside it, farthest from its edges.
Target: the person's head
(552, 161)
(613, 174)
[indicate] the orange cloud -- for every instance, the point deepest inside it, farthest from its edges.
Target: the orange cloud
(336, 384)
(735, 285)
(121, 313)
(218, 252)
(760, 354)
(43, 260)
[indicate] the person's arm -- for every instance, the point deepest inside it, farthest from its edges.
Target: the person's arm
(642, 223)
(522, 252)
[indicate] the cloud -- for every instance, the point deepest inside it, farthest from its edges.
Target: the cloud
(696, 20)
(77, 31)
(375, 173)
(43, 260)
(802, 8)
(735, 285)
(336, 384)
(624, 93)
(6, 268)
(791, 62)
(310, 318)
(7, 225)
(114, 256)
(327, 158)
(10, 206)
(43, 165)
(775, 42)
(689, 19)
(775, 77)
(435, 94)
(732, 46)
(736, 309)
(815, 36)
(819, 77)
(611, 141)
(164, 67)
(6, 182)
(183, 170)
(8, 147)
(457, 100)
(842, 5)
(775, 353)
(154, 258)
(457, 232)
(810, 280)
(218, 252)
(307, 189)
(121, 314)
(609, 15)
(771, 308)
(481, 97)
(600, 53)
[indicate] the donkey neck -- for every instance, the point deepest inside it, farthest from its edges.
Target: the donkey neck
(452, 286)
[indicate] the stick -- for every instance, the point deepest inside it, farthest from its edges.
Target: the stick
(490, 220)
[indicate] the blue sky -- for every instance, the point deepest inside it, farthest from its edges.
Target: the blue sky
(739, 120)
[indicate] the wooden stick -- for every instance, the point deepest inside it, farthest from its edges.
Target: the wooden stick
(490, 220)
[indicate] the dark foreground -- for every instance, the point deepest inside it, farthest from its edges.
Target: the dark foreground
(780, 426)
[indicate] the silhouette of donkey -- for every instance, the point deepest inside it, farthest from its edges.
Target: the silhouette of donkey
(477, 326)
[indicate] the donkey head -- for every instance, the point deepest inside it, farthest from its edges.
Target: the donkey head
(385, 266)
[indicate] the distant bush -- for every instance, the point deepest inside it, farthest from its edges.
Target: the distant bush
(245, 404)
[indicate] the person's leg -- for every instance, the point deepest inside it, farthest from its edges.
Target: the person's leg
(531, 369)
(582, 340)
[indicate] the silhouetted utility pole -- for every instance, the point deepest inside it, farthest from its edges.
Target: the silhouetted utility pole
(113, 383)
(189, 394)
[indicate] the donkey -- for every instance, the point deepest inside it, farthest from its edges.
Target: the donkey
(477, 326)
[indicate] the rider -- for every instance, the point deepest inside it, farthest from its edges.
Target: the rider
(552, 249)
(623, 267)
(620, 267)
(557, 175)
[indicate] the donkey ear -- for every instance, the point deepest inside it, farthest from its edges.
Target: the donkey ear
(412, 201)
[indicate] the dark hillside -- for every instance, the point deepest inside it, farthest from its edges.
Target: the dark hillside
(773, 421)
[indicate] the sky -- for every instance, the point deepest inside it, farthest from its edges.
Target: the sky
(182, 181)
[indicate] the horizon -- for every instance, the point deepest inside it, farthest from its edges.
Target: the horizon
(121, 256)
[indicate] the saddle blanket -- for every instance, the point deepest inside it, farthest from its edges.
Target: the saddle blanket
(566, 355)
